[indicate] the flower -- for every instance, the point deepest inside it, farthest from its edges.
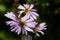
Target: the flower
(23, 24)
(28, 9)
(14, 23)
(28, 24)
(39, 28)
(28, 37)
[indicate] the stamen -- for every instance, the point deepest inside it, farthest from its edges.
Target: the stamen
(22, 23)
(26, 10)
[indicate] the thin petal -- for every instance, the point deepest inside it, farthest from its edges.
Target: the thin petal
(13, 29)
(16, 30)
(22, 30)
(33, 10)
(37, 34)
(31, 24)
(20, 7)
(25, 32)
(31, 6)
(11, 16)
(25, 17)
(20, 13)
(9, 22)
(30, 20)
(34, 16)
(41, 32)
(28, 29)
(26, 5)
(42, 26)
(19, 31)
(34, 13)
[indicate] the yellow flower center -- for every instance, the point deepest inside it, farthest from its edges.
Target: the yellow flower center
(22, 23)
(26, 10)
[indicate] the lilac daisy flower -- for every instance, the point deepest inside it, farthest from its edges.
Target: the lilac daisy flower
(23, 24)
(40, 28)
(28, 38)
(14, 23)
(27, 24)
(28, 9)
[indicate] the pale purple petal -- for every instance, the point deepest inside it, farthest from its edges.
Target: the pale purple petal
(9, 22)
(26, 32)
(30, 20)
(25, 17)
(31, 6)
(34, 13)
(23, 31)
(33, 16)
(42, 26)
(20, 7)
(41, 32)
(31, 24)
(45, 28)
(19, 30)
(11, 16)
(33, 10)
(14, 29)
(14, 26)
(28, 29)
(21, 12)
(37, 34)
(26, 5)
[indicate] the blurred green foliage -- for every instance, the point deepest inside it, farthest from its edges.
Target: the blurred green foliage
(46, 10)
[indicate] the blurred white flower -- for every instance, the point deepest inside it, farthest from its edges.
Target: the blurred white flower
(28, 9)
(40, 29)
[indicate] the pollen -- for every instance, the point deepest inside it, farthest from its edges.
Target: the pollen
(26, 10)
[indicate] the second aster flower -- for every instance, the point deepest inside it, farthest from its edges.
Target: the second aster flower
(28, 9)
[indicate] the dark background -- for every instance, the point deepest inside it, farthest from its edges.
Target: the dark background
(49, 11)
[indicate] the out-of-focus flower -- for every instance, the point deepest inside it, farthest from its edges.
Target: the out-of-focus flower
(28, 38)
(23, 24)
(28, 23)
(40, 29)
(14, 23)
(28, 9)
